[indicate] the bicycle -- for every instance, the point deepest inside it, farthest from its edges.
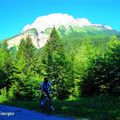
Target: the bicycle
(45, 104)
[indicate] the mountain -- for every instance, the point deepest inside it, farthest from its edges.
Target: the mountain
(67, 26)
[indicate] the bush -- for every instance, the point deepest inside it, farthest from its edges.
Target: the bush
(3, 96)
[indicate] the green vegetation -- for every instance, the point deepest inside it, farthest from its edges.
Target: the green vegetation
(91, 108)
(77, 65)
(104, 75)
(56, 65)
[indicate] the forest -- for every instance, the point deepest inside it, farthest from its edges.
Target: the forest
(93, 69)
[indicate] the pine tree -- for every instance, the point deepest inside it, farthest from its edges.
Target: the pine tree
(56, 64)
(5, 65)
(25, 77)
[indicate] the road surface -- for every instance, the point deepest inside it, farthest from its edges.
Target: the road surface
(14, 113)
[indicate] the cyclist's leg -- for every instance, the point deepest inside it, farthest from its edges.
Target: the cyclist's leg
(48, 94)
(42, 96)
(49, 97)
(41, 100)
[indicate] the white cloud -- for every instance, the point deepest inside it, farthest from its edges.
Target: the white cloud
(49, 21)
(108, 27)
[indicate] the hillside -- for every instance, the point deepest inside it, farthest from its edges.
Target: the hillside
(71, 30)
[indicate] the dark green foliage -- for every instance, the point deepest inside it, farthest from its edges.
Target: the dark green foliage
(104, 75)
(25, 78)
(5, 66)
(113, 61)
(56, 65)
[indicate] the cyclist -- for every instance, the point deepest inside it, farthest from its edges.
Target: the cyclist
(45, 89)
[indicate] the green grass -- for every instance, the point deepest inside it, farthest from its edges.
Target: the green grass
(91, 108)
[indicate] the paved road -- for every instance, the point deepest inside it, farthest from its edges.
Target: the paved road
(14, 113)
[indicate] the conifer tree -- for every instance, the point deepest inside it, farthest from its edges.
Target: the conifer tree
(5, 65)
(25, 76)
(56, 64)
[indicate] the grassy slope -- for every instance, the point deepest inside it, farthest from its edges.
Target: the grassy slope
(92, 108)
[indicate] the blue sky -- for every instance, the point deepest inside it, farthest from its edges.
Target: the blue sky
(15, 14)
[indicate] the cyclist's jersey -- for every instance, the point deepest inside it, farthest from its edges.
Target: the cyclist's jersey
(45, 87)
